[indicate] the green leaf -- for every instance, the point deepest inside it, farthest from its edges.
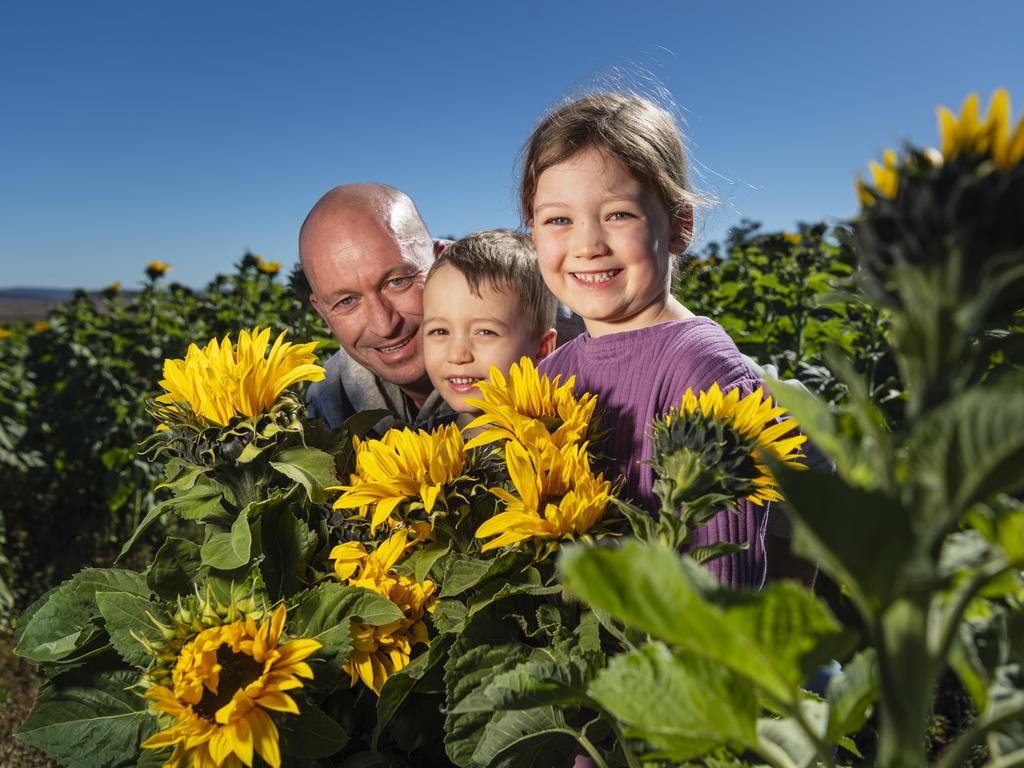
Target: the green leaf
(203, 502)
(449, 615)
(89, 721)
(151, 517)
(700, 705)
(227, 550)
(311, 734)
(175, 568)
(971, 448)
(788, 734)
(57, 624)
(527, 738)
(463, 572)
(360, 424)
(851, 693)
(287, 542)
(398, 687)
(863, 539)
(311, 468)
(763, 637)
(125, 617)
(325, 612)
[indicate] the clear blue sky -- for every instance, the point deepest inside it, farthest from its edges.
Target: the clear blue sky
(190, 131)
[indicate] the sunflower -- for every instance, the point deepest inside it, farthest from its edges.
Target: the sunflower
(559, 497)
(157, 269)
(224, 683)
(267, 267)
(992, 137)
(403, 466)
(529, 408)
(885, 180)
(380, 651)
(721, 439)
(222, 381)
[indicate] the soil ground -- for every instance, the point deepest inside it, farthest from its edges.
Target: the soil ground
(19, 683)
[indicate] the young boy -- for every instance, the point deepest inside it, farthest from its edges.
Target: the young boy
(484, 304)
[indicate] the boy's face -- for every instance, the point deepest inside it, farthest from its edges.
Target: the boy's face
(464, 335)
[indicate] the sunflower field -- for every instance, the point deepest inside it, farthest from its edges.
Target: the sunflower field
(204, 577)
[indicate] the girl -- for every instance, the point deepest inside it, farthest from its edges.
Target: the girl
(606, 196)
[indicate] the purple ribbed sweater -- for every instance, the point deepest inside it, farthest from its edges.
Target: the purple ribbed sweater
(640, 374)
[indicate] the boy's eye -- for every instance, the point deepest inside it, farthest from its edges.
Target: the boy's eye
(620, 215)
(557, 220)
(437, 332)
(487, 332)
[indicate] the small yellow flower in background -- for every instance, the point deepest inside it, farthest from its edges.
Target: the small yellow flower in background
(157, 269)
(222, 381)
(4, 333)
(379, 652)
(530, 407)
(267, 267)
(793, 238)
(992, 137)
(754, 418)
(559, 497)
(40, 327)
(224, 684)
(885, 179)
(113, 289)
(403, 466)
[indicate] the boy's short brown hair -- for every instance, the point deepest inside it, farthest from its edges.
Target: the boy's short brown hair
(506, 261)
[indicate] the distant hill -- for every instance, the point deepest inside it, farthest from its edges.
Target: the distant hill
(37, 294)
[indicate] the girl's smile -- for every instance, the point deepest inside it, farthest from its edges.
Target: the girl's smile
(605, 244)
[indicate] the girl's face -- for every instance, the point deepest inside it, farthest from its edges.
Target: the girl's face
(604, 241)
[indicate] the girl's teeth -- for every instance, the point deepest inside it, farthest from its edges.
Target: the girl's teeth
(596, 277)
(463, 380)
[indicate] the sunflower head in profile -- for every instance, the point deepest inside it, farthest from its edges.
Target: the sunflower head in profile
(223, 381)
(224, 682)
(995, 136)
(404, 469)
(156, 269)
(531, 408)
(713, 446)
(557, 497)
(380, 651)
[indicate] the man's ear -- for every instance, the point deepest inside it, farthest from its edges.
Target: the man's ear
(317, 306)
(547, 343)
(682, 231)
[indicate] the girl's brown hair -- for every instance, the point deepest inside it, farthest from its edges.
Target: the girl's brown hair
(634, 130)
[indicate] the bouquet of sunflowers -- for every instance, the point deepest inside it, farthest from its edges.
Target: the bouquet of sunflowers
(320, 593)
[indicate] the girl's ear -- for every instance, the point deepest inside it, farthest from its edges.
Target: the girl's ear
(682, 231)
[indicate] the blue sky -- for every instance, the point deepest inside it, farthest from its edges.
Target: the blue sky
(190, 132)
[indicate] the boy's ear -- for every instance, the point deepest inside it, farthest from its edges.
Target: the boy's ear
(682, 232)
(547, 343)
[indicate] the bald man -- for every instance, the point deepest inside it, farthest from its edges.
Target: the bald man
(365, 250)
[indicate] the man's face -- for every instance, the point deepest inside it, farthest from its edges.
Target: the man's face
(368, 286)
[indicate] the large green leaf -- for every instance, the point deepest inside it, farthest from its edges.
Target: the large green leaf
(525, 739)
(227, 550)
(55, 627)
(311, 468)
(325, 612)
(286, 542)
(863, 539)
(90, 721)
(788, 734)
(175, 568)
(682, 705)
(971, 448)
(764, 637)
(126, 617)
(311, 734)
(463, 572)
(401, 684)
(851, 693)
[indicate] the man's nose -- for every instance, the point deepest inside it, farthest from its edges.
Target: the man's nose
(381, 317)
(588, 241)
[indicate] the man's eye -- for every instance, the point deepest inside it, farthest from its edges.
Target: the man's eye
(344, 303)
(399, 282)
